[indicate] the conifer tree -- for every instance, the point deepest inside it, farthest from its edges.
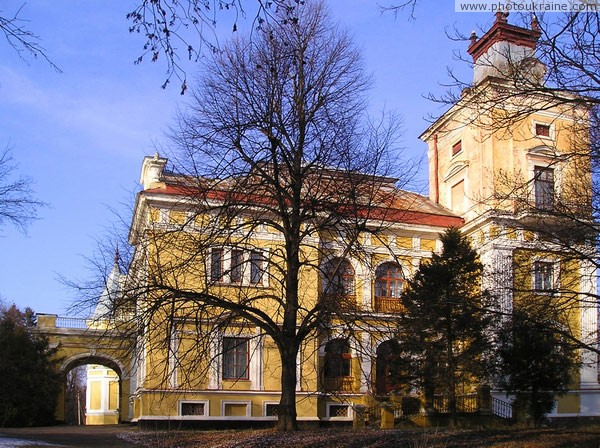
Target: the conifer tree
(535, 362)
(30, 379)
(444, 325)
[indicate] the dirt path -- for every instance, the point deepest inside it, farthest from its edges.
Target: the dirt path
(66, 436)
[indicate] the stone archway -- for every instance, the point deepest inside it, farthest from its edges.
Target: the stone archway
(107, 400)
(79, 344)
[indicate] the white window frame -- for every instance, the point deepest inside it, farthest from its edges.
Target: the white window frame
(541, 169)
(536, 159)
(555, 275)
(246, 279)
(552, 135)
(206, 414)
(454, 143)
(223, 269)
(247, 339)
(224, 404)
(264, 406)
(173, 359)
(255, 362)
(328, 406)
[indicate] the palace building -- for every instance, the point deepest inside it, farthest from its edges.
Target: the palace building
(499, 169)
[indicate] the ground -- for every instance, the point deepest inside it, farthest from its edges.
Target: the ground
(582, 436)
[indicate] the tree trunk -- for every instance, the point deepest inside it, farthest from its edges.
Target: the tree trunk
(451, 377)
(287, 420)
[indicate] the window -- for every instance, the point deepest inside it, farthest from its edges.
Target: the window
(216, 265)
(457, 147)
(338, 410)
(543, 276)
(271, 409)
(387, 367)
(457, 196)
(236, 271)
(389, 280)
(542, 130)
(337, 358)
(193, 408)
(235, 358)
(257, 261)
(237, 266)
(339, 278)
(544, 188)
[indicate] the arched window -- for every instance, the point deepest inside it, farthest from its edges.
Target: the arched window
(337, 367)
(387, 367)
(389, 280)
(337, 359)
(339, 278)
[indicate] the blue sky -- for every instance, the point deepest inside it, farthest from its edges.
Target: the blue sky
(81, 134)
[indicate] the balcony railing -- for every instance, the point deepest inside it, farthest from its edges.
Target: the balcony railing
(388, 305)
(338, 384)
(338, 302)
(71, 322)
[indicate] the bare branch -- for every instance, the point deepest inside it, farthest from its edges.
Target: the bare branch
(22, 40)
(17, 203)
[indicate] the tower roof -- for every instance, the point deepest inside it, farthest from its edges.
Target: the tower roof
(502, 31)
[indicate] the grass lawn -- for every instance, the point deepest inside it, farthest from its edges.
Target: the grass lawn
(583, 436)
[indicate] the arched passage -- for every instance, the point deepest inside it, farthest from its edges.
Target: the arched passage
(105, 395)
(388, 368)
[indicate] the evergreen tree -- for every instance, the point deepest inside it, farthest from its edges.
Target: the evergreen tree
(536, 363)
(444, 325)
(30, 379)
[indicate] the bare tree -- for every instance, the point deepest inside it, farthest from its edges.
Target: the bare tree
(75, 391)
(400, 7)
(17, 204)
(186, 29)
(179, 30)
(21, 39)
(277, 178)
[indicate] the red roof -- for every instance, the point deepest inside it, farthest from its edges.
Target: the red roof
(405, 207)
(502, 31)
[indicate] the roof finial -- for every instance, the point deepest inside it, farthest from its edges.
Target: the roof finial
(535, 24)
(117, 257)
(473, 37)
(502, 16)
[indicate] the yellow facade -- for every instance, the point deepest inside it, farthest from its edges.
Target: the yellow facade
(187, 388)
(102, 400)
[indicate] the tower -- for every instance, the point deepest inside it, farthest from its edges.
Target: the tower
(512, 158)
(481, 138)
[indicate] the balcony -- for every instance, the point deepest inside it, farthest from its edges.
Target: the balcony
(388, 305)
(338, 302)
(338, 384)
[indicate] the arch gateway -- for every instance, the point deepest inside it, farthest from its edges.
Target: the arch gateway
(209, 373)
(80, 342)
